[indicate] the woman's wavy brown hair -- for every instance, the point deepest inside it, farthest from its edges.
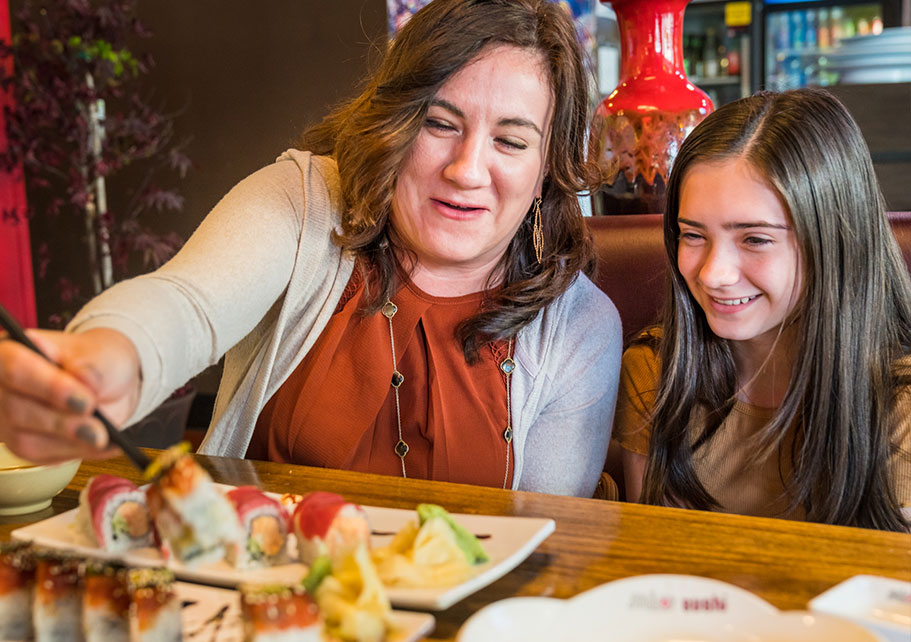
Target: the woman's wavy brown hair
(853, 322)
(370, 137)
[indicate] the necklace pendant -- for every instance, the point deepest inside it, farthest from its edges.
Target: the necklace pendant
(401, 449)
(389, 309)
(507, 434)
(397, 379)
(507, 366)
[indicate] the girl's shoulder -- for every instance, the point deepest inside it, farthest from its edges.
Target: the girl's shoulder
(641, 361)
(901, 368)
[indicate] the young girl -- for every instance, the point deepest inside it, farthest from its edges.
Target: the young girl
(779, 383)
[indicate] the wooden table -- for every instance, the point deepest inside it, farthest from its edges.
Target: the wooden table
(786, 563)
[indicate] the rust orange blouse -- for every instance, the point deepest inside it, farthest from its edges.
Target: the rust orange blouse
(338, 410)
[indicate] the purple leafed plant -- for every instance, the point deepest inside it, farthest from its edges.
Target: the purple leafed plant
(77, 120)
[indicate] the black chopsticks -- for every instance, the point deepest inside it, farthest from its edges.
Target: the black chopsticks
(16, 333)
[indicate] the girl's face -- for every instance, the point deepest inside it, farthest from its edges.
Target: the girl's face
(737, 251)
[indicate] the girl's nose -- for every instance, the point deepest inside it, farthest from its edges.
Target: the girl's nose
(720, 268)
(468, 167)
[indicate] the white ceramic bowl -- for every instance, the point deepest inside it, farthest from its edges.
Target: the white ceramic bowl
(26, 487)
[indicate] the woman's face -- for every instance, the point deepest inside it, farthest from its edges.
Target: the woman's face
(474, 168)
(737, 251)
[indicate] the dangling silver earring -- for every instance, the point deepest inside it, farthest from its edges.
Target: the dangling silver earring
(537, 235)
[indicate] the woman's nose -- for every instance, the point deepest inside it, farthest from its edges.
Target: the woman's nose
(467, 166)
(720, 267)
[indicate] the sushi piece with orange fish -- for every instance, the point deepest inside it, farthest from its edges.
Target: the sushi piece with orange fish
(112, 510)
(326, 524)
(57, 607)
(105, 602)
(17, 587)
(279, 613)
(265, 524)
(195, 522)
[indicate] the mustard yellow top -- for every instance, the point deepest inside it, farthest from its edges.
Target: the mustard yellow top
(728, 465)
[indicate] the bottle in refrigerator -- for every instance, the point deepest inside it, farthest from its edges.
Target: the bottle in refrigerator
(823, 32)
(836, 27)
(810, 39)
(710, 54)
(798, 31)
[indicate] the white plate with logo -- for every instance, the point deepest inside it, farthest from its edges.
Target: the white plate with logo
(656, 608)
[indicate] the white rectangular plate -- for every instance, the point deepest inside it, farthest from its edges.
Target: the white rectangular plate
(881, 604)
(213, 615)
(507, 540)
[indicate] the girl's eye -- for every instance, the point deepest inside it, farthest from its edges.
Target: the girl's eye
(757, 241)
(690, 237)
(512, 143)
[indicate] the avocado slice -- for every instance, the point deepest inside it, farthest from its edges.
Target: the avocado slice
(465, 540)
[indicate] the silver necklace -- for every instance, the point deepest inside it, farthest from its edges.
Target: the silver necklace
(507, 367)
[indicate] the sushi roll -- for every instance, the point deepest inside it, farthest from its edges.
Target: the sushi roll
(57, 608)
(112, 510)
(265, 526)
(105, 602)
(154, 606)
(278, 613)
(326, 524)
(17, 588)
(195, 522)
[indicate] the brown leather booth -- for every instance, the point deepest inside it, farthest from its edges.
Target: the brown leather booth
(632, 266)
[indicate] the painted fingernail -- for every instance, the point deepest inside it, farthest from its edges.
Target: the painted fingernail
(86, 433)
(76, 403)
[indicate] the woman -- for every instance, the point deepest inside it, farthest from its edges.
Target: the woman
(431, 239)
(780, 381)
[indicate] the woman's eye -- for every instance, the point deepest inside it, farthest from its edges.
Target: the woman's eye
(511, 143)
(439, 125)
(757, 241)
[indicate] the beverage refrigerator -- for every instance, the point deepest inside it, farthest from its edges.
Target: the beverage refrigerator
(798, 36)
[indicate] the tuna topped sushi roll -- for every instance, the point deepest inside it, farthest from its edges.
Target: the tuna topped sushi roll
(105, 602)
(326, 524)
(57, 608)
(195, 521)
(113, 511)
(278, 613)
(154, 606)
(17, 587)
(265, 525)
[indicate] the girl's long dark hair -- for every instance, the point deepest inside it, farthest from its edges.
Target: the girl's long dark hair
(853, 323)
(370, 137)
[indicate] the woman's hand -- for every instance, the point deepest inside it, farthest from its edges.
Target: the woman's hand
(46, 408)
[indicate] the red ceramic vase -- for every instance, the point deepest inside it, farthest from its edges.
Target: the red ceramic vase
(638, 128)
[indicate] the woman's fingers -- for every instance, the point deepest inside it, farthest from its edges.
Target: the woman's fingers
(52, 449)
(24, 373)
(46, 406)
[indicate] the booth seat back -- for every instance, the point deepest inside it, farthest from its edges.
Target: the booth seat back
(632, 267)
